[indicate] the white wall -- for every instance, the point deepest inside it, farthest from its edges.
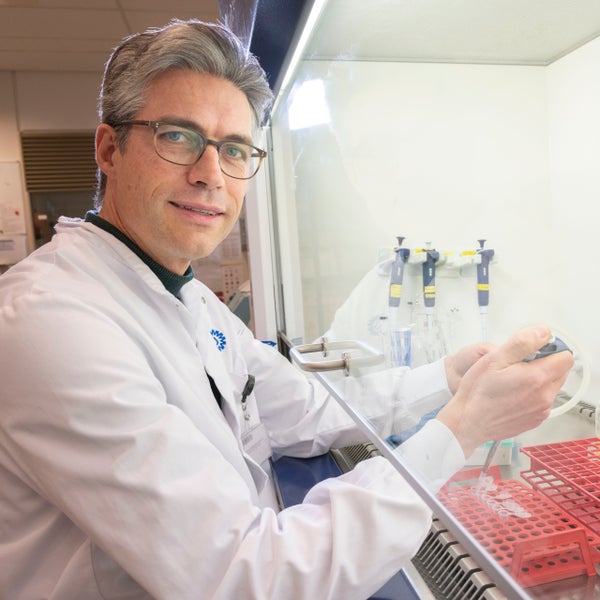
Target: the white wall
(445, 154)
(574, 142)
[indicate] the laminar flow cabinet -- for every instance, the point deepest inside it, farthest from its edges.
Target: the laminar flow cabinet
(433, 182)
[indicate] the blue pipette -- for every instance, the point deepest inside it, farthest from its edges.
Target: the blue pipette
(429, 284)
(483, 284)
(397, 274)
(400, 346)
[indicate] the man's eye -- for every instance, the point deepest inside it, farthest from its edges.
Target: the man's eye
(173, 136)
(234, 152)
(177, 136)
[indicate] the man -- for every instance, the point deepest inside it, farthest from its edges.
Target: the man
(134, 450)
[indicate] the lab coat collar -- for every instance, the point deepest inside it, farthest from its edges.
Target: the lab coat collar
(173, 282)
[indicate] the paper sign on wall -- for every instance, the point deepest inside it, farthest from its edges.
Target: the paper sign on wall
(13, 249)
(12, 200)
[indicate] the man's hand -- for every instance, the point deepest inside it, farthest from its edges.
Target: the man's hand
(458, 364)
(500, 396)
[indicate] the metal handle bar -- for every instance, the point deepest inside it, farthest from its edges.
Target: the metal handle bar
(369, 356)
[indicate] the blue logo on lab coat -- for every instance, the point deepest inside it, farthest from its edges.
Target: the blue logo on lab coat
(220, 339)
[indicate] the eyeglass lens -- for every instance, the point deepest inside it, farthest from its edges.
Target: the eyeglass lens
(185, 146)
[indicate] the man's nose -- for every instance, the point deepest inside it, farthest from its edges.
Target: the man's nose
(207, 169)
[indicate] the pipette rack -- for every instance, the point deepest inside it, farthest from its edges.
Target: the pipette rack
(568, 473)
(539, 544)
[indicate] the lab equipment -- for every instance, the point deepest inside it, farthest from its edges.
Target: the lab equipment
(397, 273)
(554, 345)
(431, 258)
(367, 356)
(537, 540)
(483, 284)
(400, 338)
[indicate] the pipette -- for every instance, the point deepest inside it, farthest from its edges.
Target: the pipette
(394, 296)
(397, 274)
(432, 256)
(483, 285)
(552, 347)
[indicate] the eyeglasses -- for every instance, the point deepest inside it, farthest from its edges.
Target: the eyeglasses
(184, 146)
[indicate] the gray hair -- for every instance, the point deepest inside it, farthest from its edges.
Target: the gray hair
(203, 47)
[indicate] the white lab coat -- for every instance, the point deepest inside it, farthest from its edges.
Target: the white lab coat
(122, 478)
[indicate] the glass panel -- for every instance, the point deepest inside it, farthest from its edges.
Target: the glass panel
(435, 182)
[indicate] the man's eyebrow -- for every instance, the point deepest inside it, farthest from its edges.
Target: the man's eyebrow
(181, 122)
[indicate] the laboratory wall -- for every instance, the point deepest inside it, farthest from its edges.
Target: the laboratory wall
(574, 156)
(42, 101)
(16, 235)
(447, 154)
(10, 149)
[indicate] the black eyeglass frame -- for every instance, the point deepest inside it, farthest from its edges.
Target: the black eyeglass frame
(259, 153)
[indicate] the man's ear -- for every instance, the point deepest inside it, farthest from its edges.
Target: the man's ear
(106, 147)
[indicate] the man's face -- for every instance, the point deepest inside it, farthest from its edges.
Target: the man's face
(176, 213)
